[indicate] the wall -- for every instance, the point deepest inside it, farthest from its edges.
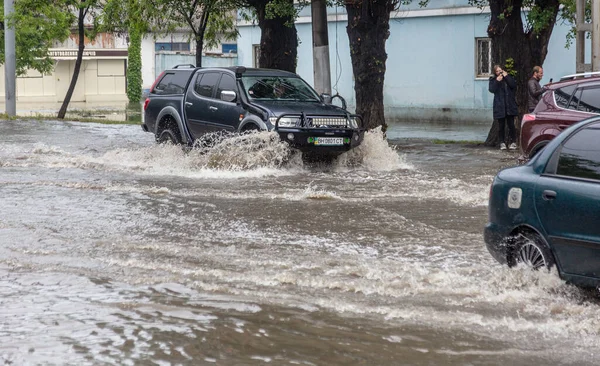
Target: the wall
(431, 60)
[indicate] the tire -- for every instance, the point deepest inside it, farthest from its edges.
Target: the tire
(531, 250)
(536, 150)
(250, 127)
(167, 136)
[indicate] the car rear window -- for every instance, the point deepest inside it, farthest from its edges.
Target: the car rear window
(580, 155)
(590, 100)
(172, 83)
(563, 95)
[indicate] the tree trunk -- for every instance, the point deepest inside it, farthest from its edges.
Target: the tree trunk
(78, 61)
(278, 39)
(525, 47)
(199, 35)
(199, 46)
(368, 30)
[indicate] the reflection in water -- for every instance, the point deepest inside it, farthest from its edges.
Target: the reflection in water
(116, 250)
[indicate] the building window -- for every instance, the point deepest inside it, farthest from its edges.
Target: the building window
(172, 46)
(483, 54)
(229, 48)
(256, 55)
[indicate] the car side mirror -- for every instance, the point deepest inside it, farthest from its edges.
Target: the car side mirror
(326, 98)
(228, 95)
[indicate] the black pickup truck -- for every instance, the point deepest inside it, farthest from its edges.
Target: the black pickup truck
(186, 103)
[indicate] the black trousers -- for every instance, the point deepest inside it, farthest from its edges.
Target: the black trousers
(510, 122)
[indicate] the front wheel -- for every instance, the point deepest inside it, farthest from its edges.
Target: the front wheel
(532, 251)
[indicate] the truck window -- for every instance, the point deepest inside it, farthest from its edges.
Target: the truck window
(172, 83)
(205, 84)
(227, 83)
(163, 83)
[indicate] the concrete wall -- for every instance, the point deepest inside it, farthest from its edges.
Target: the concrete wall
(431, 60)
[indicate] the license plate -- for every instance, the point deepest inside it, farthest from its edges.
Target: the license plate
(329, 141)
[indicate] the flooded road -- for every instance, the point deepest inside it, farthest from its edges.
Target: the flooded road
(117, 251)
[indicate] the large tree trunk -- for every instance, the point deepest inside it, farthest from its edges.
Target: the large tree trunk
(78, 61)
(526, 47)
(278, 39)
(368, 30)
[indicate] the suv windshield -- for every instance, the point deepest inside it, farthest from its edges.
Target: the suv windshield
(278, 88)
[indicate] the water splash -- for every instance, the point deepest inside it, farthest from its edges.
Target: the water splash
(374, 153)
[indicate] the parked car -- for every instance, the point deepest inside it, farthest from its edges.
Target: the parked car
(571, 100)
(545, 213)
(187, 103)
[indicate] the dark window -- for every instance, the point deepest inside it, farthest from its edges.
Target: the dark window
(205, 84)
(171, 46)
(590, 100)
(229, 48)
(575, 99)
(580, 155)
(227, 83)
(172, 83)
(563, 95)
(163, 83)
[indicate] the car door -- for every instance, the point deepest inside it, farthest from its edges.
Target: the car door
(225, 115)
(198, 101)
(567, 200)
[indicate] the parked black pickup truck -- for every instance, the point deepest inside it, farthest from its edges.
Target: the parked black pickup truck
(186, 103)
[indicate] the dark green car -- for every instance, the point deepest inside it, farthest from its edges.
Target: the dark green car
(547, 212)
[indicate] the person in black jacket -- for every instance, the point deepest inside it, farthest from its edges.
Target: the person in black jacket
(503, 86)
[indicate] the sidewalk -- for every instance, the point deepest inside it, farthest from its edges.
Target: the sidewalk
(440, 131)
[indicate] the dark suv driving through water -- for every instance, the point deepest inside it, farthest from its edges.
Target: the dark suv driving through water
(187, 103)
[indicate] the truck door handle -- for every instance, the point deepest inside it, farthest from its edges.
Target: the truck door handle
(189, 104)
(548, 195)
(213, 108)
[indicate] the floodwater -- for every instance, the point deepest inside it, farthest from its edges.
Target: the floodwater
(117, 251)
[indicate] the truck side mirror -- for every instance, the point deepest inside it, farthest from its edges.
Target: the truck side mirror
(326, 98)
(228, 95)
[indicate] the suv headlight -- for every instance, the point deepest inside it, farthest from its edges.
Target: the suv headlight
(285, 121)
(353, 122)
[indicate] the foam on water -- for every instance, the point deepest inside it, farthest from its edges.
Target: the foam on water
(237, 156)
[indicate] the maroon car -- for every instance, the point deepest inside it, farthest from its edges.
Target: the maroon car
(564, 103)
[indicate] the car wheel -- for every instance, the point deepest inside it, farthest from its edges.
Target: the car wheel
(532, 251)
(169, 137)
(536, 150)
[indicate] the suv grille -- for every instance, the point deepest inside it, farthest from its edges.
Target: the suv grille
(329, 121)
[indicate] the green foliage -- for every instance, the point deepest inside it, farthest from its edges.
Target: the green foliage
(134, 66)
(37, 23)
(509, 67)
(206, 19)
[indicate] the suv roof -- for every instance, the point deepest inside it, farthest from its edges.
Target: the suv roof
(241, 70)
(595, 79)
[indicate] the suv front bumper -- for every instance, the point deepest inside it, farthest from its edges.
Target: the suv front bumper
(307, 139)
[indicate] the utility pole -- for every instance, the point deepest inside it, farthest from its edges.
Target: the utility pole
(596, 35)
(10, 73)
(593, 28)
(322, 72)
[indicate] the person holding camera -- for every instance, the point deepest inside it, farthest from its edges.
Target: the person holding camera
(534, 90)
(503, 86)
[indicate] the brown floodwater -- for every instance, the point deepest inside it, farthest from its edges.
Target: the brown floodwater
(118, 251)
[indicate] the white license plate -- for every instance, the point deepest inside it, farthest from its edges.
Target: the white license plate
(329, 141)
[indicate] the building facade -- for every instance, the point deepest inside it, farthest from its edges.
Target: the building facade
(438, 60)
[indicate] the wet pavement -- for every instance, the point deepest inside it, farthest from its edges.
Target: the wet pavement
(117, 251)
